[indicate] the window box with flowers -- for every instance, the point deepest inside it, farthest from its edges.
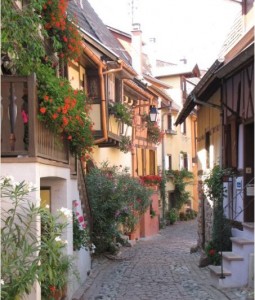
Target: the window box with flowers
(151, 180)
(121, 112)
(125, 144)
(64, 111)
(154, 133)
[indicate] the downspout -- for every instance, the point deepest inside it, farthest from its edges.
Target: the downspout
(103, 108)
(133, 146)
(114, 70)
(222, 138)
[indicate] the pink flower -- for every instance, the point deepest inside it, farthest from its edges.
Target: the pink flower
(81, 219)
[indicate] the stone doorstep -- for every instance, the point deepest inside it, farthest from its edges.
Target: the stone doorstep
(241, 241)
(248, 225)
(216, 270)
(231, 256)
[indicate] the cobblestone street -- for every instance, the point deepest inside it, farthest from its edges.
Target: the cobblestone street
(159, 268)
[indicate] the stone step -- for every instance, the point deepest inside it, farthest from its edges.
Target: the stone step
(231, 256)
(248, 225)
(216, 271)
(242, 241)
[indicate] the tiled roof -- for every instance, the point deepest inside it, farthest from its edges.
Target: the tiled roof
(90, 22)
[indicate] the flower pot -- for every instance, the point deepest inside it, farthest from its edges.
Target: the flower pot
(56, 294)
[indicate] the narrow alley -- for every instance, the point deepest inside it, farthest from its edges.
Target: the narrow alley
(159, 268)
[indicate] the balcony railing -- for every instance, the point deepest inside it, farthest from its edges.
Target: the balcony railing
(22, 133)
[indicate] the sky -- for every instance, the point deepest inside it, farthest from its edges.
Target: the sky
(191, 29)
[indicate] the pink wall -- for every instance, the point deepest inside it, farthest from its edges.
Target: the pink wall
(148, 226)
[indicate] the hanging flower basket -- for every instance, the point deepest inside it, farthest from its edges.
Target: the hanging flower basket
(151, 180)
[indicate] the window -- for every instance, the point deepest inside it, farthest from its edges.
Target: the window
(93, 86)
(152, 162)
(183, 127)
(111, 87)
(45, 196)
(169, 158)
(171, 200)
(170, 122)
(207, 149)
(184, 161)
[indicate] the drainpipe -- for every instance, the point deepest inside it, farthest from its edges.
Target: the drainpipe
(103, 108)
(115, 70)
(163, 168)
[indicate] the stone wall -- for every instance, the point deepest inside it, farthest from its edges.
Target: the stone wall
(205, 217)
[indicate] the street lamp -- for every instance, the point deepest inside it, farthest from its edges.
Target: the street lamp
(153, 113)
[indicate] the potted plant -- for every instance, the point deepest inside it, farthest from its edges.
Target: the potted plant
(125, 144)
(154, 133)
(121, 112)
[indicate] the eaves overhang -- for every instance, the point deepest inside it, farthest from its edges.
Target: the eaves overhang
(203, 90)
(232, 67)
(165, 98)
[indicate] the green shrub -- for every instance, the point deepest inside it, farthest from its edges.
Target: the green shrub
(221, 231)
(117, 200)
(180, 181)
(172, 216)
(19, 244)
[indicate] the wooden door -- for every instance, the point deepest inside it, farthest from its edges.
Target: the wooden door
(249, 172)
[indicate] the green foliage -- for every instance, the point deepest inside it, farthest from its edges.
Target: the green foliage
(23, 258)
(81, 238)
(152, 212)
(19, 245)
(125, 144)
(180, 181)
(172, 216)
(154, 133)
(55, 265)
(24, 33)
(121, 112)
(20, 38)
(64, 110)
(214, 190)
(117, 199)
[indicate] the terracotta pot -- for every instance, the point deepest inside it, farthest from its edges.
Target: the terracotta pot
(57, 294)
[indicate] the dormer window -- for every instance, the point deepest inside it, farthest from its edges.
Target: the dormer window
(111, 87)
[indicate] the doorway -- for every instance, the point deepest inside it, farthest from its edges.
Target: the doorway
(249, 172)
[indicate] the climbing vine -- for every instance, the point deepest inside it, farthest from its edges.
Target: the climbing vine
(180, 180)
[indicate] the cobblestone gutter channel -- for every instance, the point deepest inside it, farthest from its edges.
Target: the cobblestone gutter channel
(157, 268)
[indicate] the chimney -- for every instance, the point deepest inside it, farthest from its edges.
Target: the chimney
(136, 51)
(152, 55)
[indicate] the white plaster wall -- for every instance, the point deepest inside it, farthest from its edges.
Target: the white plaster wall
(64, 190)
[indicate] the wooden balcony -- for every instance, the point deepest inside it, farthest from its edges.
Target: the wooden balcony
(22, 134)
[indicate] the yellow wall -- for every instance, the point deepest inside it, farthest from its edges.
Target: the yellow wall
(209, 120)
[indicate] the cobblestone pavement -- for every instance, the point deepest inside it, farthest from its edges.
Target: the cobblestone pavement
(158, 268)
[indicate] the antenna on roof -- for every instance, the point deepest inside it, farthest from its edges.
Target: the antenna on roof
(134, 9)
